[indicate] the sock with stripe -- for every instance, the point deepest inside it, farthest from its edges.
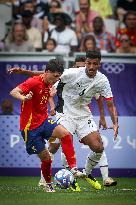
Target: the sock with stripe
(103, 163)
(92, 161)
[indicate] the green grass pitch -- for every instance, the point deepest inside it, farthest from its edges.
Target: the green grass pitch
(24, 191)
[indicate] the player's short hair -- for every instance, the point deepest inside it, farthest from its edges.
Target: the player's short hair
(55, 65)
(80, 59)
(93, 54)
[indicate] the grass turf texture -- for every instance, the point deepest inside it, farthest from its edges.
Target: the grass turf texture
(24, 190)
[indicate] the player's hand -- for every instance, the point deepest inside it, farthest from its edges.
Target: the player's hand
(102, 123)
(115, 128)
(52, 112)
(28, 96)
(53, 91)
(15, 70)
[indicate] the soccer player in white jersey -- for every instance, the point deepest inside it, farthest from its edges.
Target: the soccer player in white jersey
(80, 86)
(103, 163)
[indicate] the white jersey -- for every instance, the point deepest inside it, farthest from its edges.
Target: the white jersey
(79, 89)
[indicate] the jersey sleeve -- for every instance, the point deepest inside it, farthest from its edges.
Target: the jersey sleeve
(69, 75)
(27, 85)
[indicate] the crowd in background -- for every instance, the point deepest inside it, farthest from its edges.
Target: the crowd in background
(67, 26)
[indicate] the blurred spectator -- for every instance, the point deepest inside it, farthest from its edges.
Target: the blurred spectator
(55, 7)
(88, 43)
(7, 107)
(105, 41)
(102, 7)
(18, 41)
(71, 7)
(41, 8)
(34, 34)
(50, 45)
(130, 28)
(85, 18)
(64, 36)
(123, 6)
(2, 46)
(125, 46)
(36, 22)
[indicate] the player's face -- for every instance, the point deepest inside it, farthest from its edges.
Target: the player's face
(52, 77)
(92, 65)
(79, 64)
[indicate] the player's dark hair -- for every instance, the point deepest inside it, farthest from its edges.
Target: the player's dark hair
(80, 59)
(93, 54)
(55, 65)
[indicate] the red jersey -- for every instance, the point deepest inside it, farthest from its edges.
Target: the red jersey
(34, 112)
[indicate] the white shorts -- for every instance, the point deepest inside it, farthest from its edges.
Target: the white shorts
(81, 127)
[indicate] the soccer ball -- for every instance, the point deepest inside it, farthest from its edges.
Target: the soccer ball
(63, 179)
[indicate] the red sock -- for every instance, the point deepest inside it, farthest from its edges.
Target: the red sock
(68, 149)
(46, 170)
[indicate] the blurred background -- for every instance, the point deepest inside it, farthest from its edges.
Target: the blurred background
(31, 33)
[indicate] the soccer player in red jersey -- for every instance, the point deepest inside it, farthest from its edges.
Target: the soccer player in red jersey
(36, 125)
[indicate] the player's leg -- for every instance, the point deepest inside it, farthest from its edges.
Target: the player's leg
(53, 148)
(69, 124)
(66, 140)
(64, 161)
(88, 134)
(52, 131)
(103, 163)
(93, 140)
(35, 144)
(46, 163)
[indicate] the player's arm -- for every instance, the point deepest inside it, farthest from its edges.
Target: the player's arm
(53, 92)
(18, 94)
(107, 94)
(24, 72)
(52, 106)
(114, 116)
(102, 121)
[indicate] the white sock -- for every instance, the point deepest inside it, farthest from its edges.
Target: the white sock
(42, 178)
(92, 161)
(103, 163)
(64, 160)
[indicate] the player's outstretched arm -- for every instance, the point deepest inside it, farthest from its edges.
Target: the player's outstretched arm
(24, 71)
(102, 121)
(114, 116)
(18, 94)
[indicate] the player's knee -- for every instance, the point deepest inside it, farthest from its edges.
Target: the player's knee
(98, 148)
(53, 148)
(64, 133)
(60, 132)
(44, 155)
